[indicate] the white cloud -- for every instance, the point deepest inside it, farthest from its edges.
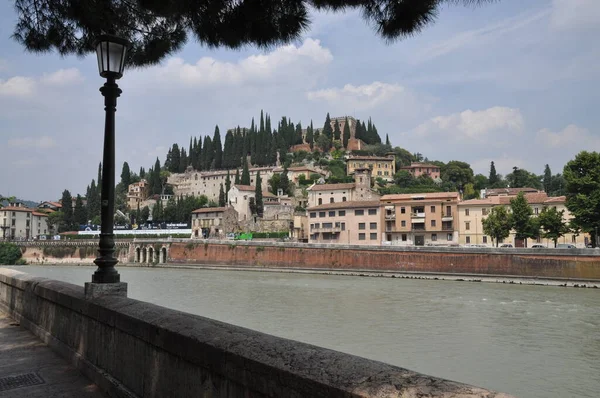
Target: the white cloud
(575, 14)
(365, 96)
(62, 77)
(17, 86)
(43, 142)
(568, 138)
(289, 61)
(23, 86)
(477, 125)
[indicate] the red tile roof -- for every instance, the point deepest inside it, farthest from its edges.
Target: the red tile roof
(35, 213)
(331, 187)
(508, 191)
(15, 208)
(244, 187)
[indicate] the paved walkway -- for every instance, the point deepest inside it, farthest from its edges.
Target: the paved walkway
(29, 368)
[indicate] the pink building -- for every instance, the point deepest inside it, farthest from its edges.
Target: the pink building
(419, 169)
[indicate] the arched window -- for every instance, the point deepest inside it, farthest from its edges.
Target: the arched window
(320, 201)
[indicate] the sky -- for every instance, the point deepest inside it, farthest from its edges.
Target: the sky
(512, 82)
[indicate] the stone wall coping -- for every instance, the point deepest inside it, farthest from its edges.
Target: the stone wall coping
(385, 248)
(258, 361)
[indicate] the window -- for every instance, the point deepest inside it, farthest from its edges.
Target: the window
(343, 198)
(484, 211)
(485, 239)
(332, 213)
(13, 222)
(402, 210)
(362, 236)
(343, 226)
(387, 173)
(467, 226)
(312, 226)
(330, 200)
(403, 237)
(322, 214)
(342, 213)
(573, 239)
(372, 212)
(432, 209)
(466, 212)
(313, 215)
(468, 239)
(317, 225)
(373, 236)
(403, 223)
(361, 225)
(379, 173)
(320, 201)
(433, 223)
(536, 211)
(327, 225)
(373, 225)
(359, 212)
(449, 237)
(433, 237)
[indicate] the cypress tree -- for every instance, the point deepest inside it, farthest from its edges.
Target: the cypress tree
(228, 150)
(208, 153)
(387, 140)
(284, 181)
(346, 135)
(309, 135)
(221, 196)
(227, 186)
(336, 131)
(125, 176)
(156, 182)
(142, 172)
(190, 151)
(218, 149)
(547, 179)
(79, 213)
(245, 180)
(237, 177)
(299, 139)
(493, 177)
(67, 212)
(258, 195)
(327, 130)
(173, 166)
(182, 162)
(199, 163)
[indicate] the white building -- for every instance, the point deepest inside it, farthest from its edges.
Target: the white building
(20, 222)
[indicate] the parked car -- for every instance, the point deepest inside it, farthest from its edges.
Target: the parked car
(566, 246)
(538, 246)
(506, 245)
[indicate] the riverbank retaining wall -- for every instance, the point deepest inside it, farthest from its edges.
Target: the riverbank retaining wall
(130, 348)
(549, 263)
(50, 252)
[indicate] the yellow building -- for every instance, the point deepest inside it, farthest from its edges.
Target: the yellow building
(381, 166)
(471, 213)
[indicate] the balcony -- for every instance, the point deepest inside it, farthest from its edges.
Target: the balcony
(418, 229)
(447, 217)
(418, 214)
(390, 216)
(326, 229)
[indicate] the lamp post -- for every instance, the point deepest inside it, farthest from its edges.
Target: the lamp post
(110, 51)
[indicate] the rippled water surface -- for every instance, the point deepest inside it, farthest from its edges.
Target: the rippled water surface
(531, 341)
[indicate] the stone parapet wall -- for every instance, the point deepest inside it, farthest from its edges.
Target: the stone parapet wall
(130, 348)
(39, 253)
(550, 263)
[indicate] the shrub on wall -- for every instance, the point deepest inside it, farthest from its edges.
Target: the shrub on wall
(10, 254)
(274, 235)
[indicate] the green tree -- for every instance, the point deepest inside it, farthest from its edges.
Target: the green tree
(582, 177)
(274, 183)
(245, 180)
(521, 178)
(547, 181)
(9, 199)
(310, 135)
(497, 224)
(236, 181)
(493, 177)
(404, 179)
(327, 130)
(336, 131)
(470, 193)
(552, 223)
(457, 173)
(67, 211)
(387, 141)
(258, 195)
(227, 186)
(221, 196)
(125, 176)
(54, 221)
(218, 150)
(323, 142)
(520, 217)
(346, 134)
(284, 182)
(9, 254)
(79, 213)
(480, 182)
(144, 214)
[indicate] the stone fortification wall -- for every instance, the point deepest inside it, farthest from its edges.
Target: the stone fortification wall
(550, 263)
(76, 252)
(130, 348)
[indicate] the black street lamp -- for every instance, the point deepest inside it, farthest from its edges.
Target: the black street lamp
(111, 52)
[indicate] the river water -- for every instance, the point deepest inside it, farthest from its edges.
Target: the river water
(530, 341)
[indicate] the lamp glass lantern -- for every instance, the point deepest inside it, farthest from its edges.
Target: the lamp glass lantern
(111, 51)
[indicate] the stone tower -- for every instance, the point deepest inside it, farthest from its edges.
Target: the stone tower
(362, 185)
